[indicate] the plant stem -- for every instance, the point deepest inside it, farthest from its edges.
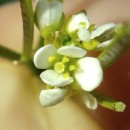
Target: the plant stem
(10, 54)
(109, 103)
(28, 27)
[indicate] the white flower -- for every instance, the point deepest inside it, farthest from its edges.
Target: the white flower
(87, 69)
(64, 66)
(48, 13)
(80, 23)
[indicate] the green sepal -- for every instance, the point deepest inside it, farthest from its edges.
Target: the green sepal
(91, 27)
(47, 30)
(109, 103)
(74, 35)
(117, 47)
(58, 39)
(61, 40)
(106, 36)
(36, 20)
(61, 22)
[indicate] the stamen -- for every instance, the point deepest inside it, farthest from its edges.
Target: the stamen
(65, 59)
(51, 58)
(66, 75)
(72, 67)
(59, 67)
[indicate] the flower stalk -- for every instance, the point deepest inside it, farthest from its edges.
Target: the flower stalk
(28, 28)
(9, 54)
(109, 103)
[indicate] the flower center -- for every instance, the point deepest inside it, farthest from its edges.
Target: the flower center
(59, 67)
(63, 65)
(65, 59)
(72, 67)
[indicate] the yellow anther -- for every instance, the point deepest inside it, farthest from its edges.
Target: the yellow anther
(66, 75)
(72, 67)
(51, 58)
(65, 59)
(59, 67)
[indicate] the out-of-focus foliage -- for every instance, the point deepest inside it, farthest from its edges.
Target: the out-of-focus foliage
(5, 1)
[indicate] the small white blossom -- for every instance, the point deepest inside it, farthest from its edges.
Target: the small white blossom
(66, 65)
(48, 13)
(80, 23)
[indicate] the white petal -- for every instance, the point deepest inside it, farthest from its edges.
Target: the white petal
(83, 34)
(102, 29)
(104, 44)
(52, 97)
(41, 56)
(52, 78)
(89, 73)
(48, 13)
(72, 51)
(90, 101)
(76, 20)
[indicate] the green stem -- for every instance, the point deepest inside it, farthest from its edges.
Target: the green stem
(109, 103)
(12, 55)
(9, 54)
(28, 27)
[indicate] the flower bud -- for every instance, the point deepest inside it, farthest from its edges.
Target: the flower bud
(76, 22)
(48, 16)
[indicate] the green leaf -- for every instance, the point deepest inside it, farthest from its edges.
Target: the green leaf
(119, 45)
(7, 53)
(28, 27)
(110, 103)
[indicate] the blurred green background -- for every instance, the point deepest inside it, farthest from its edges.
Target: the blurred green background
(5, 1)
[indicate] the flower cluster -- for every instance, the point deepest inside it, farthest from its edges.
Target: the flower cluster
(64, 66)
(88, 36)
(67, 67)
